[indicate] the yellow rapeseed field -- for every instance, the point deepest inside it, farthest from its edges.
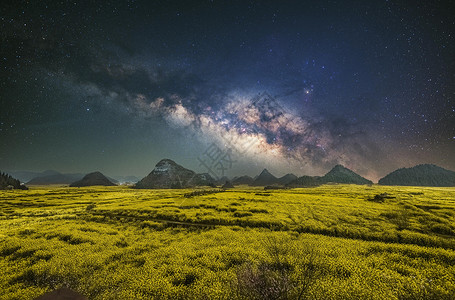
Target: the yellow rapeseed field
(327, 242)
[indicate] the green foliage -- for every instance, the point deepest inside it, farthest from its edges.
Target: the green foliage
(327, 242)
(8, 182)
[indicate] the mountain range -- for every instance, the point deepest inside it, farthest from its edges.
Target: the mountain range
(420, 175)
(266, 178)
(339, 174)
(54, 177)
(26, 176)
(168, 174)
(239, 180)
(58, 178)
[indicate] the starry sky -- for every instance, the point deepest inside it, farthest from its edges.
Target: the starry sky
(227, 87)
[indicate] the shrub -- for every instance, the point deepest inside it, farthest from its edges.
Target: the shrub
(277, 277)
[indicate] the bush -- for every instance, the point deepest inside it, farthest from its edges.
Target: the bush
(277, 277)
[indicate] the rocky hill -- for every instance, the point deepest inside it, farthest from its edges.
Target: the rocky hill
(242, 180)
(338, 174)
(341, 174)
(420, 175)
(167, 174)
(92, 179)
(222, 180)
(227, 185)
(305, 181)
(202, 179)
(286, 179)
(265, 178)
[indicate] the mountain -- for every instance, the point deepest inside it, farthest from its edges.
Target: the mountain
(227, 185)
(202, 179)
(222, 180)
(26, 176)
(8, 182)
(60, 178)
(167, 174)
(55, 179)
(420, 175)
(265, 178)
(286, 179)
(95, 178)
(242, 180)
(341, 174)
(305, 181)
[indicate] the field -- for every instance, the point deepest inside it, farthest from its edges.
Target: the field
(328, 242)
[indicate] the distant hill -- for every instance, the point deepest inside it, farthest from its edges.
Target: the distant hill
(55, 179)
(60, 178)
(202, 179)
(420, 175)
(92, 179)
(341, 174)
(9, 182)
(167, 174)
(286, 179)
(305, 181)
(227, 185)
(265, 178)
(242, 180)
(222, 180)
(338, 174)
(26, 176)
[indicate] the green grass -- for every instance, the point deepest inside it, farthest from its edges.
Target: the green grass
(328, 242)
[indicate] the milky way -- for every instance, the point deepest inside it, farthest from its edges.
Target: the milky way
(296, 87)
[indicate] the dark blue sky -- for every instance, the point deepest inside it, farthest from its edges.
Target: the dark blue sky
(117, 85)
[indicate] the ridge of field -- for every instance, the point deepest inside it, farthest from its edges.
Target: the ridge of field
(332, 241)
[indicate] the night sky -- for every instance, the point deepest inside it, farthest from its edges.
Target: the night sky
(227, 87)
